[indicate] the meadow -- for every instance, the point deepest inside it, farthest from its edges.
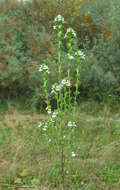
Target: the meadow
(26, 161)
(72, 147)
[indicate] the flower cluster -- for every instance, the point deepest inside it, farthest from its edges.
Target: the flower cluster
(71, 124)
(80, 53)
(48, 110)
(59, 22)
(44, 68)
(54, 114)
(70, 32)
(65, 82)
(59, 18)
(58, 87)
(40, 124)
(73, 154)
(44, 126)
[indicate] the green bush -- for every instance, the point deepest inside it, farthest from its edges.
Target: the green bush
(102, 70)
(25, 46)
(28, 40)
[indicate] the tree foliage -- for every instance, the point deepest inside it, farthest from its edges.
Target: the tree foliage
(28, 39)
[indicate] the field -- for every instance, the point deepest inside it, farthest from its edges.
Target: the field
(26, 161)
(59, 95)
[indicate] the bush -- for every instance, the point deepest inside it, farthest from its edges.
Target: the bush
(28, 40)
(101, 71)
(25, 46)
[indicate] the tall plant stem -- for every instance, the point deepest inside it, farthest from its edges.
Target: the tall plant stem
(62, 167)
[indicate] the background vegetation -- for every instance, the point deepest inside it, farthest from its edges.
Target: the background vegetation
(28, 40)
(25, 158)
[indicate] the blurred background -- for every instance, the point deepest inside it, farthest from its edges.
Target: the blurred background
(27, 40)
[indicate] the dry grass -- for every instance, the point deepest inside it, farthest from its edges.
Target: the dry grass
(97, 148)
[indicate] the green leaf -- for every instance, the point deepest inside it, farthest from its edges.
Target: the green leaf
(18, 181)
(34, 181)
(24, 173)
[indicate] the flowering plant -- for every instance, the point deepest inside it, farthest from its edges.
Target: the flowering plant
(58, 128)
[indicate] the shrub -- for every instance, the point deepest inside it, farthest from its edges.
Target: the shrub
(28, 41)
(101, 72)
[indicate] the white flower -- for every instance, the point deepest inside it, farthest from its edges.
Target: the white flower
(69, 124)
(68, 83)
(52, 92)
(49, 140)
(40, 69)
(48, 72)
(70, 56)
(74, 124)
(65, 36)
(73, 154)
(54, 115)
(81, 54)
(44, 67)
(58, 88)
(49, 111)
(59, 18)
(61, 85)
(40, 124)
(53, 86)
(54, 27)
(63, 82)
(82, 182)
(45, 128)
(53, 89)
(70, 31)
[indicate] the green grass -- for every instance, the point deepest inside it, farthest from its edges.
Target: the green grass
(25, 158)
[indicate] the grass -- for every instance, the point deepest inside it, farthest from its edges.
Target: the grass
(25, 159)
(80, 155)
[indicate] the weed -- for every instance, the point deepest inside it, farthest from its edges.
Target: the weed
(60, 127)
